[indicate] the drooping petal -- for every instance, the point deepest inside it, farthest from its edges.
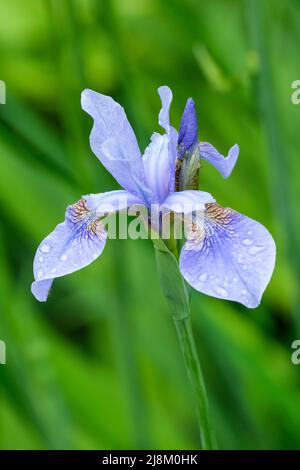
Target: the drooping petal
(164, 120)
(223, 164)
(156, 160)
(64, 251)
(113, 141)
(76, 242)
(188, 133)
(188, 201)
(232, 257)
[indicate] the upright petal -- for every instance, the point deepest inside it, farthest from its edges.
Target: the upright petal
(76, 242)
(113, 141)
(232, 258)
(223, 164)
(156, 162)
(188, 133)
(164, 120)
(166, 99)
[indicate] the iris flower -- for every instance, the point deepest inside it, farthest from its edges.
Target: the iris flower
(227, 254)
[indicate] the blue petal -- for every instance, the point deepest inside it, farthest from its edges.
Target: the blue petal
(156, 162)
(114, 143)
(67, 249)
(112, 201)
(40, 289)
(188, 133)
(222, 164)
(166, 98)
(232, 258)
(76, 242)
(187, 201)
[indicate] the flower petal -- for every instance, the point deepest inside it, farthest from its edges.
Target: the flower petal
(223, 164)
(113, 141)
(112, 201)
(166, 99)
(188, 133)
(232, 257)
(164, 120)
(65, 250)
(78, 241)
(156, 162)
(187, 201)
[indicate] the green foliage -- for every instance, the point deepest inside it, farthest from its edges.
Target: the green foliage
(99, 365)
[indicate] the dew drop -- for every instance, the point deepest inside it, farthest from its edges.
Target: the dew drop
(244, 292)
(250, 232)
(221, 291)
(53, 270)
(255, 249)
(203, 277)
(63, 257)
(39, 274)
(244, 267)
(247, 241)
(41, 259)
(45, 248)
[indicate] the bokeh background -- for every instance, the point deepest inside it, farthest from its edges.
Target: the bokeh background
(98, 366)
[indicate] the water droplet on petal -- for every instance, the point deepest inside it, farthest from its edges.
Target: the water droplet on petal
(244, 267)
(39, 274)
(45, 248)
(221, 291)
(250, 232)
(63, 257)
(53, 270)
(255, 249)
(244, 292)
(247, 241)
(203, 277)
(235, 279)
(41, 259)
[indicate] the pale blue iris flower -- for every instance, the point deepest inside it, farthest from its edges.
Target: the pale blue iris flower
(228, 255)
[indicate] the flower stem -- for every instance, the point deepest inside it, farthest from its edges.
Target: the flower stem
(175, 291)
(189, 351)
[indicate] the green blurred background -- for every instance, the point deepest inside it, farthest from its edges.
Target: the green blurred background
(98, 366)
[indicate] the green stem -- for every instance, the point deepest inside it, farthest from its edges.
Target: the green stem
(189, 351)
(175, 292)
